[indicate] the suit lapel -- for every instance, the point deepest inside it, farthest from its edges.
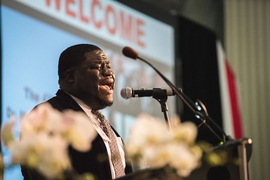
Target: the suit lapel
(72, 104)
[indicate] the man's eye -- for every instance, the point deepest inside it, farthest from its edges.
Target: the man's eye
(96, 67)
(99, 66)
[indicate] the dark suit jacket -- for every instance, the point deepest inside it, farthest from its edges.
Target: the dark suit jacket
(94, 161)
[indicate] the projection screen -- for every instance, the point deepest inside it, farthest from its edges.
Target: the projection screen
(35, 32)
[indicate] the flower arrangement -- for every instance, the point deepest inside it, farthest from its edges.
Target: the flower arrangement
(151, 142)
(45, 136)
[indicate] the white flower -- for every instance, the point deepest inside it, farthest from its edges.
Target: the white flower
(146, 131)
(42, 118)
(81, 131)
(54, 159)
(183, 159)
(45, 136)
(75, 127)
(7, 132)
(186, 131)
(48, 154)
(156, 156)
(153, 131)
(153, 143)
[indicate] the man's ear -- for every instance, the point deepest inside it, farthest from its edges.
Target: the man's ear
(69, 75)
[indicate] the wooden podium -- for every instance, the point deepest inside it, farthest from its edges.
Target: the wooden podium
(238, 149)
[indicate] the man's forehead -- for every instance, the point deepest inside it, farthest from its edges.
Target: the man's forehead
(97, 56)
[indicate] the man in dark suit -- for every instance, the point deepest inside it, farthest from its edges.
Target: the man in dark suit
(87, 84)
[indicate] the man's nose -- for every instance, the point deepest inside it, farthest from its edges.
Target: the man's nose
(107, 71)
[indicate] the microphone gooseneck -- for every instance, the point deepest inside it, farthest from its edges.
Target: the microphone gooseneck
(131, 53)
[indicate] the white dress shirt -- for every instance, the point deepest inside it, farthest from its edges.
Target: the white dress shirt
(105, 138)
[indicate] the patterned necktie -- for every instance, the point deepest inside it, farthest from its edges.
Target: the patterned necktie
(116, 159)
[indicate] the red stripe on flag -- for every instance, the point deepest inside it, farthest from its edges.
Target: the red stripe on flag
(236, 117)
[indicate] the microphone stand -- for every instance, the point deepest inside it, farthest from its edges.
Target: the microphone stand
(243, 146)
(198, 108)
(162, 97)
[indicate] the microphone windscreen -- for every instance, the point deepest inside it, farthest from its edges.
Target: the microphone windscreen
(129, 52)
(126, 93)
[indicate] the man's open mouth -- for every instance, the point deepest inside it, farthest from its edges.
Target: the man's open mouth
(107, 84)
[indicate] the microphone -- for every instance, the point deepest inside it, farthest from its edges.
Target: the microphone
(128, 92)
(129, 52)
